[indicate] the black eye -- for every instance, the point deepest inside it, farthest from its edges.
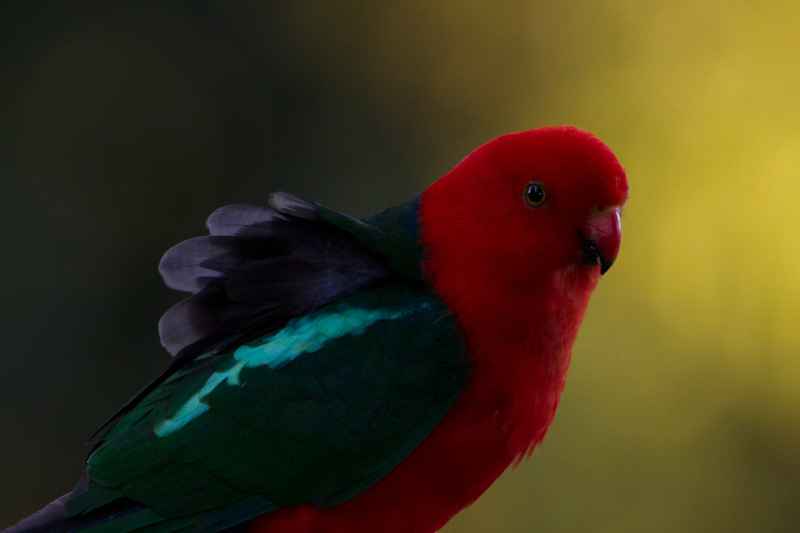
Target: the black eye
(536, 194)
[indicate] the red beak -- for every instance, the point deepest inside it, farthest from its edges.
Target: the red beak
(600, 240)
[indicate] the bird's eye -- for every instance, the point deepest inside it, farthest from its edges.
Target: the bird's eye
(536, 194)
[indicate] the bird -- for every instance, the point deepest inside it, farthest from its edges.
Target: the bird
(331, 374)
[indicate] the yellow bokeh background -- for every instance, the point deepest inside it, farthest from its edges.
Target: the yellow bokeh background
(682, 410)
(124, 125)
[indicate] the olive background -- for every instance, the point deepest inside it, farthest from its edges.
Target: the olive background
(123, 124)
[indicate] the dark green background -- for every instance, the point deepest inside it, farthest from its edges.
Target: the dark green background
(123, 124)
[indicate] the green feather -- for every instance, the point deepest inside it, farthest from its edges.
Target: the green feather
(315, 412)
(391, 233)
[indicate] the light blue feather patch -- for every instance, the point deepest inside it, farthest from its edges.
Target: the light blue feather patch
(302, 335)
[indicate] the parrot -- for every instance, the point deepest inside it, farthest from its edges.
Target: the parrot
(331, 374)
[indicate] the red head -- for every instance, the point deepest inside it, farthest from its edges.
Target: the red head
(523, 210)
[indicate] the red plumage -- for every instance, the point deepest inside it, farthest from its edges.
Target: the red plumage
(515, 278)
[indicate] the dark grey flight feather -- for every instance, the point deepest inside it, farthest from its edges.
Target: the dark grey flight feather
(259, 268)
(53, 517)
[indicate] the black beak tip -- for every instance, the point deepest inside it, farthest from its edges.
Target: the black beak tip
(605, 264)
(591, 255)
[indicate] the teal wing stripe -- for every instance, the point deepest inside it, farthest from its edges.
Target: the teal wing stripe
(301, 336)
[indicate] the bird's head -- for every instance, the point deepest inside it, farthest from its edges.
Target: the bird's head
(524, 206)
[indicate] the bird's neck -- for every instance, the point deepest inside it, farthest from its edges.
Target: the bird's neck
(520, 343)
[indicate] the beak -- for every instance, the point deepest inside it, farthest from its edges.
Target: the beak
(600, 240)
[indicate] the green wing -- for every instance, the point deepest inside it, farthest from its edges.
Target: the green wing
(315, 412)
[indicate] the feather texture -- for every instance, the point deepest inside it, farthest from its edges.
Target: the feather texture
(258, 268)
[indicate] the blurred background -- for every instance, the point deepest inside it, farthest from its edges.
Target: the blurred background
(123, 124)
